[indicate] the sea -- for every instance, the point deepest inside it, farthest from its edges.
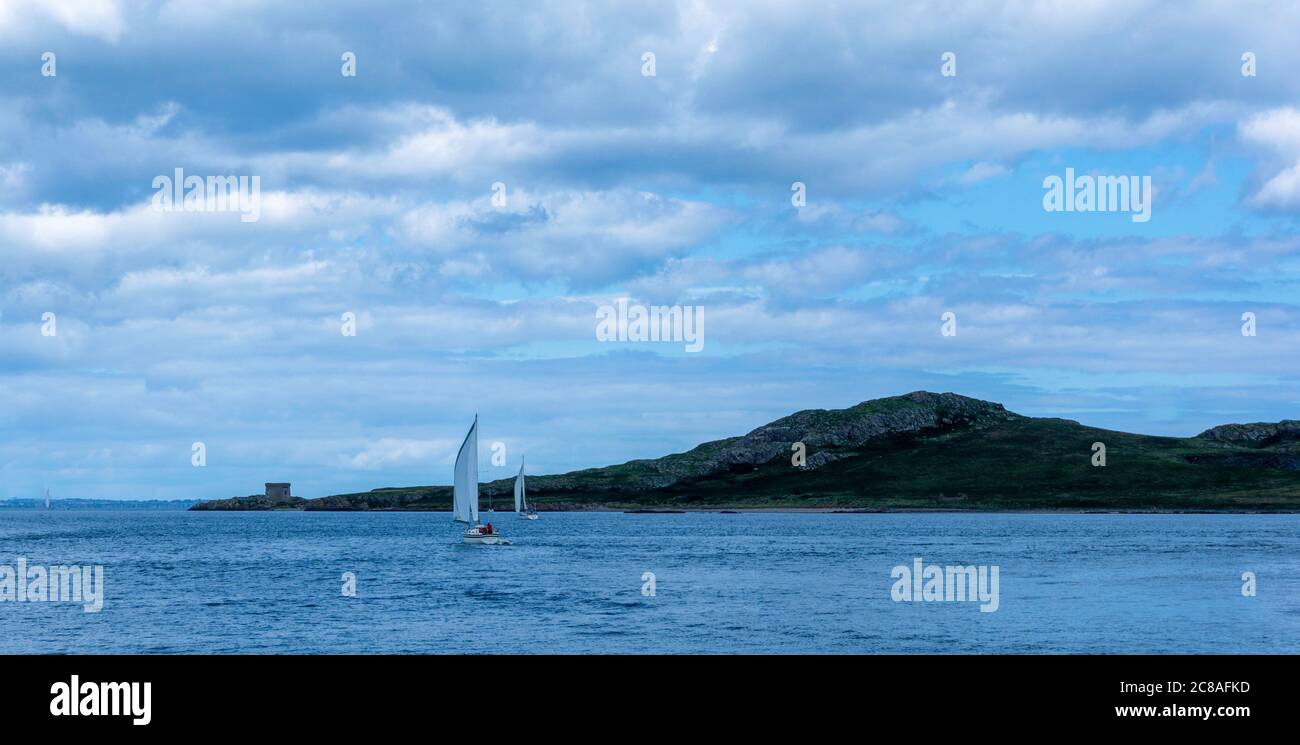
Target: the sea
(695, 583)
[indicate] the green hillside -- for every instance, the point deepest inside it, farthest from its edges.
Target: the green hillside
(919, 451)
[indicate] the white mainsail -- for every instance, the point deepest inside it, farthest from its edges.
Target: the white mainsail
(465, 491)
(521, 500)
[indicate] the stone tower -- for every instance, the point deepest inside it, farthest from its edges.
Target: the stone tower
(277, 491)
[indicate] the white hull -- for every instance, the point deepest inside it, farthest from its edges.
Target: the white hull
(530, 516)
(478, 537)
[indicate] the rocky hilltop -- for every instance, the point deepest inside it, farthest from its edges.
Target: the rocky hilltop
(1260, 434)
(830, 434)
(921, 450)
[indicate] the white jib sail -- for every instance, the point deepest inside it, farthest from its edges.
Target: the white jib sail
(465, 491)
(521, 502)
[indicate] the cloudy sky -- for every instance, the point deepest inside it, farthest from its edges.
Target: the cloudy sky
(924, 195)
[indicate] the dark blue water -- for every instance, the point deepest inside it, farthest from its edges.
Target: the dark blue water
(270, 582)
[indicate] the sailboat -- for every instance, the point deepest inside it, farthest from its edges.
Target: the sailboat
(465, 494)
(521, 497)
(47, 499)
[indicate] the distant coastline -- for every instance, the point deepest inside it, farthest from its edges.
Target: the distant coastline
(20, 503)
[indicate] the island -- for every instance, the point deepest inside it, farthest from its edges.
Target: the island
(919, 451)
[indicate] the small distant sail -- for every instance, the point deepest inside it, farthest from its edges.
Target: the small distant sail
(47, 499)
(521, 501)
(465, 490)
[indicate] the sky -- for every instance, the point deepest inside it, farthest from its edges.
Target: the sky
(496, 172)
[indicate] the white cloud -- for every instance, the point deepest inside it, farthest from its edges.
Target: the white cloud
(578, 237)
(1277, 132)
(982, 171)
(438, 145)
(1276, 129)
(388, 452)
(98, 18)
(1282, 191)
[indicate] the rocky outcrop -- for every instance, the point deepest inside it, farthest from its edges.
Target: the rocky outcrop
(920, 412)
(255, 502)
(821, 458)
(1258, 435)
(824, 431)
